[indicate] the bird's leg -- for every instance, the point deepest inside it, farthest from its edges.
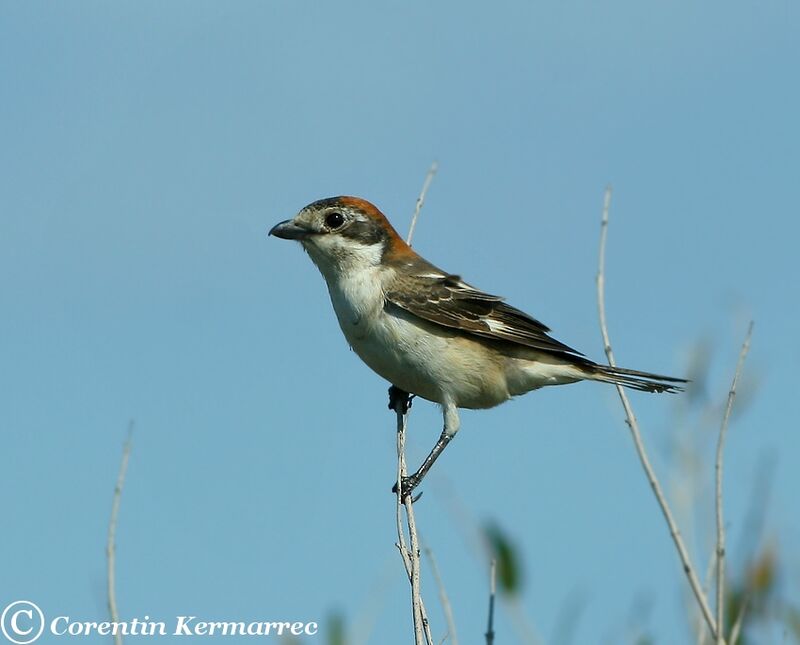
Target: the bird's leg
(451, 425)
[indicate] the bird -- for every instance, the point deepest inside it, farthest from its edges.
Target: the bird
(430, 333)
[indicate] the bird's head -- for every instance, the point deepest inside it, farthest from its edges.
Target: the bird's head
(344, 234)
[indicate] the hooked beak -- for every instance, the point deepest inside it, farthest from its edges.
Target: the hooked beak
(288, 230)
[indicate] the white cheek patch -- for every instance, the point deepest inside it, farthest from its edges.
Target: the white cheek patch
(355, 256)
(338, 257)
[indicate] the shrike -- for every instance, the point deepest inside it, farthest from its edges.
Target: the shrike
(427, 331)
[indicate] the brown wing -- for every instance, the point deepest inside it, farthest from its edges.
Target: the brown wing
(447, 300)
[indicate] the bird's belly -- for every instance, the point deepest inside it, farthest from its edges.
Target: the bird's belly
(429, 361)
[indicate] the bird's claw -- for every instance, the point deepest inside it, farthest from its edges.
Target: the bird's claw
(407, 484)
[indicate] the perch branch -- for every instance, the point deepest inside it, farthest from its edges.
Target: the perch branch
(410, 553)
(411, 559)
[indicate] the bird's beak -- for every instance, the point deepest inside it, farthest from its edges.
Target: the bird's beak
(288, 230)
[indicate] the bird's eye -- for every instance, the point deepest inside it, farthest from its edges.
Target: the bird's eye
(334, 220)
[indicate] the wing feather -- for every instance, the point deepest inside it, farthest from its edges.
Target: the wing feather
(446, 300)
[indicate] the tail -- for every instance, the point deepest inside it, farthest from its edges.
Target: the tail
(643, 381)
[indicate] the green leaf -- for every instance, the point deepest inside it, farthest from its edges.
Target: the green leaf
(336, 629)
(509, 569)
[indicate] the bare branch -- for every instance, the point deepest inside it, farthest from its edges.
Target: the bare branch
(421, 200)
(411, 560)
(443, 598)
(702, 635)
(410, 555)
(421, 626)
(723, 431)
(111, 549)
(401, 472)
(492, 592)
(633, 424)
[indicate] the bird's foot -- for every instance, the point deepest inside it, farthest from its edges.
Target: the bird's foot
(407, 485)
(399, 400)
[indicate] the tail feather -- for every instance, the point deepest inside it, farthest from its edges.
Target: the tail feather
(643, 381)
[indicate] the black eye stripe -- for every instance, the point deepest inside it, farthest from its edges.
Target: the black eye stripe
(365, 231)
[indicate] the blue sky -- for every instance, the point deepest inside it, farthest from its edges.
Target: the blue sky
(148, 147)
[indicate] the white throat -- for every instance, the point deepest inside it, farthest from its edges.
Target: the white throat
(355, 280)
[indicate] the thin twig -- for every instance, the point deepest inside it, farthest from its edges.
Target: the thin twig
(421, 200)
(674, 531)
(492, 592)
(701, 630)
(401, 472)
(408, 558)
(421, 624)
(111, 549)
(751, 529)
(723, 431)
(443, 598)
(411, 560)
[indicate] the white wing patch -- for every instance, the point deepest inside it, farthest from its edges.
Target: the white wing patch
(432, 276)
(499, 326)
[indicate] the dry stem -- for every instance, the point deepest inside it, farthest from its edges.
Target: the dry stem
(492, 592)
(723, 431)
(443, 598)
(674, 531)
(411, 560)
(421, 200)
(111, 549)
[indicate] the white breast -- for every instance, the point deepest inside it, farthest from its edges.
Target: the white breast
(431, 361)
